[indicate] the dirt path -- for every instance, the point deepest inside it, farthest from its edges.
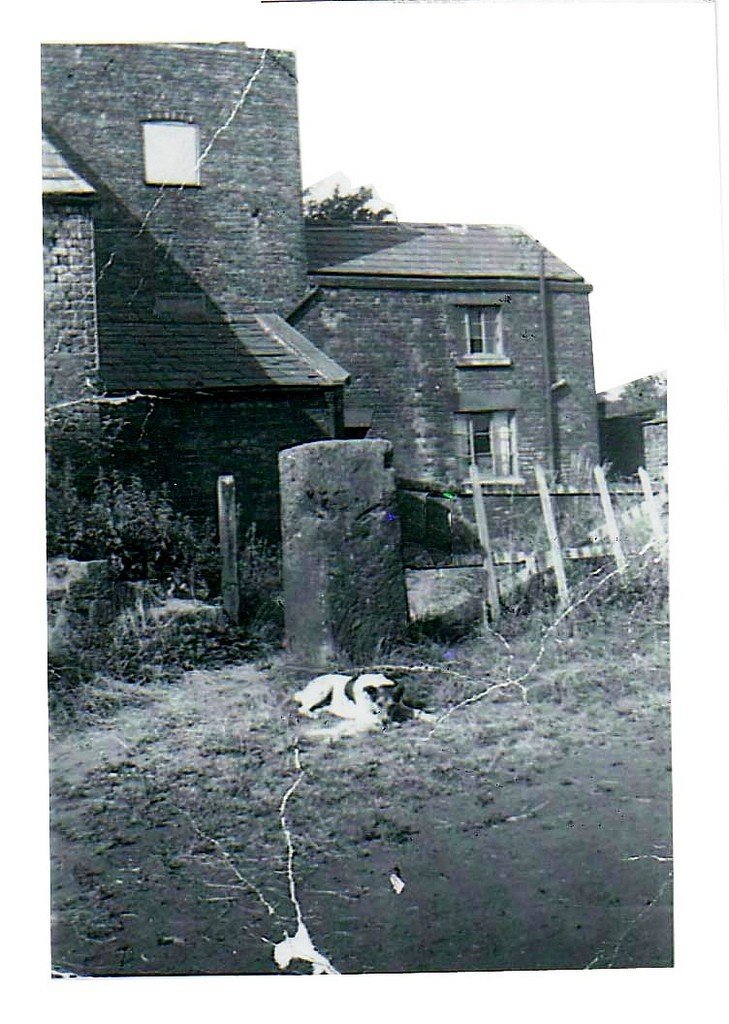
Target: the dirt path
(525, 841)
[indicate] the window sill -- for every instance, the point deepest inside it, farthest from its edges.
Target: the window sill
(498, 481)
(483, 361)
(172, 184)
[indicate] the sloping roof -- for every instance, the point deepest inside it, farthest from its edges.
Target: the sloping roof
(645, 396)
(431, 250)
(58, 177)
(328, 370)
(255, 350)
(330, 246)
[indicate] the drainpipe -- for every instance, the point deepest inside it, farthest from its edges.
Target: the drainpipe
(548, 403)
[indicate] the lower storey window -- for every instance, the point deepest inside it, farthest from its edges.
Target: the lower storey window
(492, 444)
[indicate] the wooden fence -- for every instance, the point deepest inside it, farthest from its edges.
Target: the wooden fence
(611, 539)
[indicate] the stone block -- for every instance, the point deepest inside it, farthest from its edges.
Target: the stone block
(344, 583)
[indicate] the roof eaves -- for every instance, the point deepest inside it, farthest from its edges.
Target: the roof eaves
(328, 371)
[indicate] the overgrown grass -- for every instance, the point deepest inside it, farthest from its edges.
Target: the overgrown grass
(159, 638)
(534, 637)
(139, 648)
(208, 761)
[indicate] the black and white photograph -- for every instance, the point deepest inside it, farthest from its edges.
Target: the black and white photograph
(362, 325)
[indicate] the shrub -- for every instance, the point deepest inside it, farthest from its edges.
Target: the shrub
(138, 531)
(164, 555)
(259, 582)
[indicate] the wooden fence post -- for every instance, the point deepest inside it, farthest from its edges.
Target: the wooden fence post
(610, 520)
(653, 514)
(492, 585)
(552, 535)
(228, 547)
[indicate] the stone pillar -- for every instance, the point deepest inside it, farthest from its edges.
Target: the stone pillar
(344, 583)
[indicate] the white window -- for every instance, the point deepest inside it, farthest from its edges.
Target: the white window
(171, 153)
(492, 444)
(483, 331)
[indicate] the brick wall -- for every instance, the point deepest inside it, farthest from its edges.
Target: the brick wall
(73, 433)
(576, 419)
(237, 239)
(70, 311)
(233, 243)
(187, 443)
(405, 347)
(655, 440)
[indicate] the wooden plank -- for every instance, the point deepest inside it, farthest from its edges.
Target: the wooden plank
(610, 521)
(654, 515)
(586, 551)
(555, 547)
(227, 530)
(492, 586)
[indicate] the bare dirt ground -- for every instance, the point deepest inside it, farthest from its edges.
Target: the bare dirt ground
(531, 828)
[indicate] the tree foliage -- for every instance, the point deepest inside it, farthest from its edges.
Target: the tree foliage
(345, 208)
(646, 393)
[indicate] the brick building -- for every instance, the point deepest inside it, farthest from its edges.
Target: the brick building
(180, 284)
(173, 249)
(465, 344)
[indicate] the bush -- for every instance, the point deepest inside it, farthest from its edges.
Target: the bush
(137, 531)
(165, 555)
(259, 582)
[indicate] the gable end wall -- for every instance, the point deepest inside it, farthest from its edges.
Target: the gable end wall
(404, 351)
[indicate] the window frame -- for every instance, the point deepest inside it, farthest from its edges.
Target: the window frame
(491, 344)
(497, 431)
(189, 177)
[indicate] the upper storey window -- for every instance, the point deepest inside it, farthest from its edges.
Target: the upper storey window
(483, 331)
(171, 153)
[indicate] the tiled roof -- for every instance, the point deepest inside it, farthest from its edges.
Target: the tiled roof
(330, 372)
(255, 350)
(327, 246)
(58, 177)
(431, 250)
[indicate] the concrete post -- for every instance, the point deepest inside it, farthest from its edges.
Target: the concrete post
(344, 583)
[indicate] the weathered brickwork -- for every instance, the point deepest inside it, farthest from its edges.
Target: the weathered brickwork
(236, 241)
(70, 307)
(405, 350)
(575, 404)
(176, 270)
(187, 445)
(655, 440)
